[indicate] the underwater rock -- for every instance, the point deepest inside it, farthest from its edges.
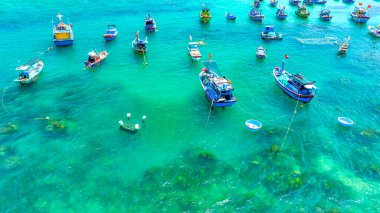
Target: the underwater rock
(206, 155)
(12, 162)
(8, 129)
(370, 133)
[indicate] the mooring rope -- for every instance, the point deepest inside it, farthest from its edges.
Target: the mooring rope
(2, 99)
(290, 124)
(209, 113)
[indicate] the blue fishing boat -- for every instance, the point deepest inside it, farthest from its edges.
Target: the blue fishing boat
(280, 13)
(230, 16)
(63, 33)
(325, 15)
(256, 15)
(95, 58)
(139, 45)
(261, 52)
(308, 2)
(295, 86)
(256, 4)
(273, 3)
(111, 33)
(150, 24)
(29, 71)
(349, 1)
(270, 34)
(218, 90)
(360, 14)
(294, 2)
(320, 1)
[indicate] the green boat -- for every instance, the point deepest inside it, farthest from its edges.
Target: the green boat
(302, 11)
(205, 15)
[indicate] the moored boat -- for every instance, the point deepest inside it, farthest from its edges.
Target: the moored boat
(295, 86)
(253, 125)
(302, 11)
(205, 14)
(139, 45)
(218, 90)
(261, 52)
(63, 33)
(95, 58)
(230, 16)
(343, 48)
(280, 13)
(273, 3)
(150, 24)
(374, 31)
(325, 15)
(295, 2)
(320, 1)
(256, 4)
(360, 14)
(308, 2)
(29, 71)
(349, 1)
(256, 15)
(345, 121)
(193, 49)
(270, 34)
(111, 33)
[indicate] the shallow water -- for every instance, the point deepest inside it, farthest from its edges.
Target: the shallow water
(187, 158)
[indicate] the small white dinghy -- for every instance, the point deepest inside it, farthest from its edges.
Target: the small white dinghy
(253, 125)
(345, 121)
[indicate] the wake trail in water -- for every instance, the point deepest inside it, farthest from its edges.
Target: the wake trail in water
(318, 41)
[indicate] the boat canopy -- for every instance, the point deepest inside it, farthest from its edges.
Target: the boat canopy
(92, 54)
(325, 11)
(269, 29)
(211, 65)
(299, 78)
(24, 74)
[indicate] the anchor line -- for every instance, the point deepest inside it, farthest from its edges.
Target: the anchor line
(290, 124)
(209, 113)
(2, 99)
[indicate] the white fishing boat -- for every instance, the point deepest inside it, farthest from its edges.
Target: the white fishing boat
(374, 31)
(345, 121)
(29, 71)
(343, 48)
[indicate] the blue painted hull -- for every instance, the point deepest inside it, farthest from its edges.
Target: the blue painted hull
(292, 94)
(257, 18)
(218, 104)
(283, 17)
(63, 43)
(326, 18)
(273, 4)
(359, 20)
(110, 38)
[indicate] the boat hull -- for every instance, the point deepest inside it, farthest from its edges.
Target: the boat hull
(258, 18)
(326, 18)
(290, 93)
(63, 43)
(359, 19)
(109, 37)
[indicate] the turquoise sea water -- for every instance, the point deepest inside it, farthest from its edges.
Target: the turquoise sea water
(187, 158)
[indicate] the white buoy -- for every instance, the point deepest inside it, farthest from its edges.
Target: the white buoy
(47, 118)
(128, 115)
(143, 118)
(121, 122)
(137, 126)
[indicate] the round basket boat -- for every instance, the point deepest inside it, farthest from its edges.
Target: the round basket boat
(253, 125)
(345, 121)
